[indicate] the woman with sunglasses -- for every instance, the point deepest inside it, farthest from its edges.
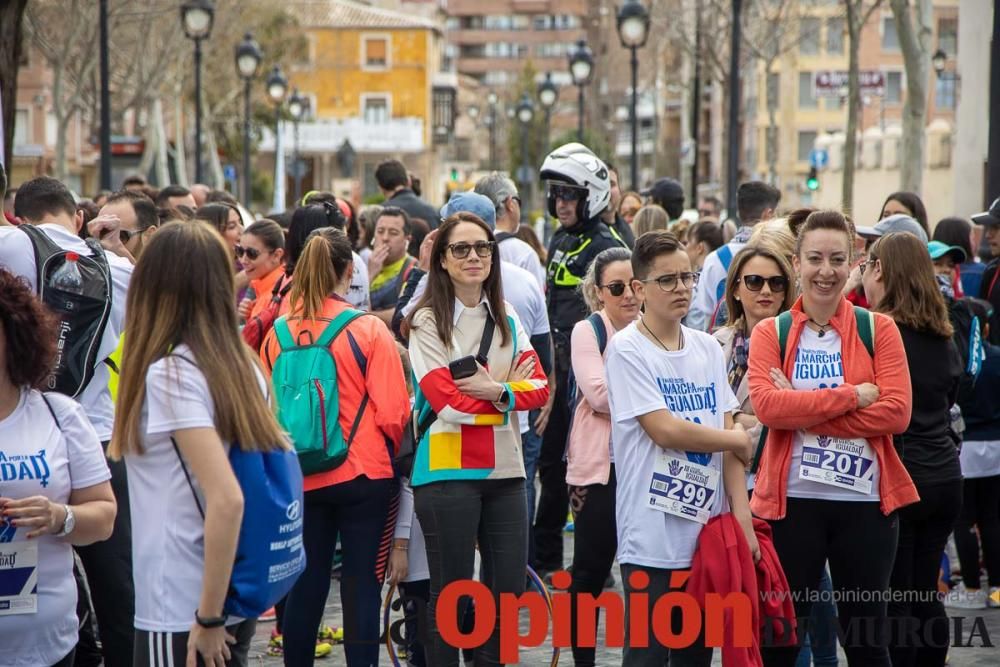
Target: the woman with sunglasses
(590, 470)
(829, 479)
(261, 251)
(899, 281)
(473, 365)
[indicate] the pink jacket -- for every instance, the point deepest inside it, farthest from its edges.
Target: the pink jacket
(588, 452)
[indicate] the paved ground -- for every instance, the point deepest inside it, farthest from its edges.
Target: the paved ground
(976, 655)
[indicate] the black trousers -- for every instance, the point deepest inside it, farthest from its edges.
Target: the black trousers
(923, 531)
(454, 515)
(860, 544)
(595, 541)
(980, 509)
(108, 567)
(553, 501)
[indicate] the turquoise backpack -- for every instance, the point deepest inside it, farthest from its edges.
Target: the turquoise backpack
(305, 388)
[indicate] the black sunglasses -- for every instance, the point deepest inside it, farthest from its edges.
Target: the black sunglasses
(252, 253)
(567, 192)
(616, 288)
(755, 283)
(461, 250)
(126, 236)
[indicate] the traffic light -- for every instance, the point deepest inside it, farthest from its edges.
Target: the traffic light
(812, 180)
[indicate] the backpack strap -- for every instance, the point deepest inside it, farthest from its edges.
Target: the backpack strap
(503, 236)
(338, 324)
(600, 331)
(725, 254)
(52, 411)
(187, 476)
(783, 324)
(362, 362)
(866, 328)
(283, 333)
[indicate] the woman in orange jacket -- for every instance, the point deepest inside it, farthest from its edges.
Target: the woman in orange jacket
(830, 480)
(352, 500)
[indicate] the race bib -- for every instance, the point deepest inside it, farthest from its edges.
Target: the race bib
(18, 577)
(843, 463)
(683, 488)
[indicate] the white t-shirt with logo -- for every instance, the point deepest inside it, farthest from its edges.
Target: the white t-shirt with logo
(819, 365)
(18, 257)
(643, 378)
(40, 458)
(168, 531)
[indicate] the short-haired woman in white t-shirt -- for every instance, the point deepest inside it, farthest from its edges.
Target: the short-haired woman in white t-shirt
(190, 387)
(54, 488)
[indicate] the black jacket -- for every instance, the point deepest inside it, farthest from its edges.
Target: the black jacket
(571, 251)
(624, 230)
(990, 279)
(415, 207)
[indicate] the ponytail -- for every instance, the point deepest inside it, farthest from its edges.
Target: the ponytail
(321, 266)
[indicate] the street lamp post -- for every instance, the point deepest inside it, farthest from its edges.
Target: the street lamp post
(105, 100)
(197, 15)
(525, 114)
(492, 120)
(297, 105)
(633, 30)
(581, 67)
(548, 94)
(277, 87)
(733, 167)
(248, 57)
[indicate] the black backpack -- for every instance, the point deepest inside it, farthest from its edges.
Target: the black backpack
(83, 317)
(969, 341)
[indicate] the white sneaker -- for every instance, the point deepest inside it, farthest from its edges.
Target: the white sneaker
(993, 599)
(961, 597)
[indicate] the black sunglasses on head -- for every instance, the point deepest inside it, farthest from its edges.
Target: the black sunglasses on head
(755, 283)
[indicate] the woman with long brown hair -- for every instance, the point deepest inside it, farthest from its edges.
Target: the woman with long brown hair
(474, 366)
(190, 389)
(899, 281)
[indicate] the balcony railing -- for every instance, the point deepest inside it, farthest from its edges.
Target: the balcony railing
(396, 135)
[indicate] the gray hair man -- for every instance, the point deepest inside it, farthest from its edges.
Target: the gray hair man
(500, 189)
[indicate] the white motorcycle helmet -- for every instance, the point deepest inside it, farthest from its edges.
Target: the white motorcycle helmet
(575, 164)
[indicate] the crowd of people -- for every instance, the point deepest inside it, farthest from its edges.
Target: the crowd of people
(816, 393)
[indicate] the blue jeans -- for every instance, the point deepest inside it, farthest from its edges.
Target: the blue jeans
(814, 649)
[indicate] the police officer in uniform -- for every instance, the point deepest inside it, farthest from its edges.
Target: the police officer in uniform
(579, 191)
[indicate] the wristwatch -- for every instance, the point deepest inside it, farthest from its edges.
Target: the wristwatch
(211, 622)
(69, 524)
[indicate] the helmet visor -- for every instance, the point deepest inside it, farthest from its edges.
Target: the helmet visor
(567, 192)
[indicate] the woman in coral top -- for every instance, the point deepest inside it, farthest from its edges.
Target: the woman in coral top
(262, 253)
(830, 481)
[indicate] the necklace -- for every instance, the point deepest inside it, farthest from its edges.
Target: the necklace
(680, 337)
(822, 327)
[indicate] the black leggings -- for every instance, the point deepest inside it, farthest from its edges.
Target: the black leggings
(594, 544)
(980, 508)
(860, 545)
(553, 501)
(923, 531)
(453, 516)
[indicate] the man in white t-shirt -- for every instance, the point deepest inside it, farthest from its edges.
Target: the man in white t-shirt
(49, 206)
(667, 385)
(500, 189)
(755, 201)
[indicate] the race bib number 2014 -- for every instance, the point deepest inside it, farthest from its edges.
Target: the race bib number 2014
(683, 488)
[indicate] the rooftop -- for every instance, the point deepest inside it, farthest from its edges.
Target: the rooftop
(352, 14)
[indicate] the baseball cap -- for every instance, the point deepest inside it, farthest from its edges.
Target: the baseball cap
(867, 232)
(664, 189)
(989, 217)
(471, 202)
(937, 250)
(901, 223)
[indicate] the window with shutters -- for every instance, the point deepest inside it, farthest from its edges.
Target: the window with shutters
(375, 52)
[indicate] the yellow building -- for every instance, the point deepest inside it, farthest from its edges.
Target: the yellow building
(373, 78)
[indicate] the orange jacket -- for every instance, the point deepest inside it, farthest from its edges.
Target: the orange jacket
(262, 289)
(388, 410)
(833, 411)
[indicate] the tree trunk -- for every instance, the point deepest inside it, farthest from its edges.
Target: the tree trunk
(159, 132)
(914, 41)
(772, 130)
(180, 154)
(63, 117)
(11, 12)
(851, 139)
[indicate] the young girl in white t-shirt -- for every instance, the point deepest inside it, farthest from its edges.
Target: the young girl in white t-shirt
(189, 388)
(54, 489)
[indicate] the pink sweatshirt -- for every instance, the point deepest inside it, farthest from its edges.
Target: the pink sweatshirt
(588, 452)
